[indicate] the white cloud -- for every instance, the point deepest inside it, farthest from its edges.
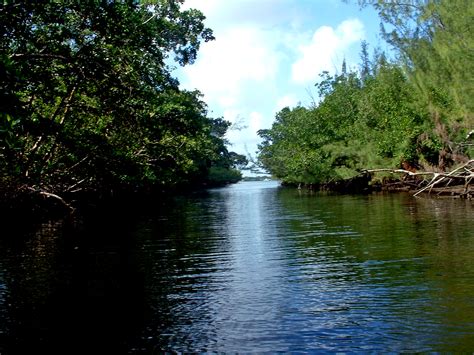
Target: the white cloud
(286, 101)
(256, 119)
(264, 55)
(224, 13)
(207, 7)
(237, 73)
(326, 46)
(240, 56)
(245, 141)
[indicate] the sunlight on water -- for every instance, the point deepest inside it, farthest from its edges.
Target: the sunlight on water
(252, 267)
(259, 268)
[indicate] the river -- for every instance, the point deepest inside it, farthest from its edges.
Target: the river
(251, 267)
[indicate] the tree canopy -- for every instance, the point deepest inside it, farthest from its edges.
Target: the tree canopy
(89, 101)
(413, 111)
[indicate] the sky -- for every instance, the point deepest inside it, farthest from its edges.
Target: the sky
(268, 55)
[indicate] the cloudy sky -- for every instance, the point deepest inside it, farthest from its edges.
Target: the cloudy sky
(268, 54)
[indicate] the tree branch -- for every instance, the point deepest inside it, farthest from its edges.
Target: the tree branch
(461, 172)
(54, 196)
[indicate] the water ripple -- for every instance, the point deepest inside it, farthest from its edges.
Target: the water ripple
(256, 268)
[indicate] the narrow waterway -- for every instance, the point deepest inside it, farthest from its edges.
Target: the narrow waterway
(251, 267)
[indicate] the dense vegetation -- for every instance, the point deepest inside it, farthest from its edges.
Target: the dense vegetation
(89, 102)
(416, 111)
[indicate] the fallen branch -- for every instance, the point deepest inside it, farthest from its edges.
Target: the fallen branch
(464, 172)
(451, 175)
(54, 196)
(59, 198)
(401, 171)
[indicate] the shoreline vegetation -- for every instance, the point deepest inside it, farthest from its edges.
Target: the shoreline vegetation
(90, 110)
(398, 122)
(457, 183)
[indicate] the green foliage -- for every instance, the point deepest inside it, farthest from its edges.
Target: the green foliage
(359, 124)
(90, 101)
(435, 43)
(221, 176)
(415, 111)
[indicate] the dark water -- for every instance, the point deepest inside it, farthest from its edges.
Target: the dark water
(247, 268)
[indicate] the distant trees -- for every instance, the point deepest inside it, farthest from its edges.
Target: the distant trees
(416, 111)
(88, 100)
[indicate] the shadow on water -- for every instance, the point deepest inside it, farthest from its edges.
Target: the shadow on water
(250, 267)
(70, 286)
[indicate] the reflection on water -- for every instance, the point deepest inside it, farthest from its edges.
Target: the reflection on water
(250, 267)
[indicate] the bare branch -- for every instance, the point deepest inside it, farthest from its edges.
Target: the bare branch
(54, 196)
(463, 172)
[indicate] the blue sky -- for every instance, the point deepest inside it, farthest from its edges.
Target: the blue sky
(268, 54)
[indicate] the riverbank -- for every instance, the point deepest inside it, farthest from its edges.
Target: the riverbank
(33, 203)
(22, 201)
(457, 183)
(393, 185)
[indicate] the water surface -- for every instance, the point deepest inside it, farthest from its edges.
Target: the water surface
(247, 268)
